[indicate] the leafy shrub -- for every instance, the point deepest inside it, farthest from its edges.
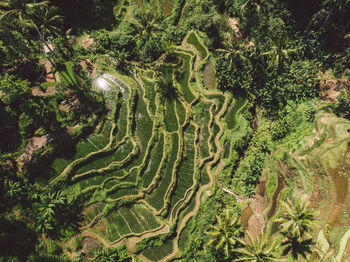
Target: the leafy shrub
(235, 77)
(343, 107)
(13, 90)
(279, 129)
(26, 125)
(310, 114)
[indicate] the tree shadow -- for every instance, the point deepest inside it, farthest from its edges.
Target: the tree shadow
(298, 248)
(16, 239)
(92, 14)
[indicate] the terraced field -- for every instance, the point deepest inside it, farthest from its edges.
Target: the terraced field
(323, 162)
(146, 169)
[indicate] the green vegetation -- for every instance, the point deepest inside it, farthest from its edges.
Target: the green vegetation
(174, 130)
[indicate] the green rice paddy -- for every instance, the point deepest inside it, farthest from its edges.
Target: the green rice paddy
(144, 172)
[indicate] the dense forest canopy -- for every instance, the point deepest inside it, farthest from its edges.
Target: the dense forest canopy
(174, 130)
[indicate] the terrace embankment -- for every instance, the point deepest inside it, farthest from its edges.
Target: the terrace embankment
(145, 173)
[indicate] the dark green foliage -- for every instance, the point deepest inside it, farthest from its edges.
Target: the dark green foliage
(279, 128)
(16, 238)
(343, 107)
(273, 62)
(14, 52)
(235, 77)
(47, 258)
(310, 114)
(13, 90)
(91, 15)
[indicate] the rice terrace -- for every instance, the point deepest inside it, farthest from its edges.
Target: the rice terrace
(148, 165)
(174, 130)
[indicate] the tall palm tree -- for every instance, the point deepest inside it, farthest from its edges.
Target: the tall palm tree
(278, 53)
(257, 249)
(331, 8)
(31, 15)
(335, 6)
(296, 219)
(36, 15)
(225, 233)
(47, 19)
(232, 50)
(20, 9)
(24, 12)
(146, 23)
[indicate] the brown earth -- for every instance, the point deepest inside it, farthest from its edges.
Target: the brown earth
(35, 143)
(330, 88)
(233, 23)
(49, 77)
(90, 243)
(87, 42)
(253, 215)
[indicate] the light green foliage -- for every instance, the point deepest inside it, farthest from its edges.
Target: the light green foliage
(13, 90)
(168, 154)
(297, 219)
(225, 232)
(113, 254)
(258, 249)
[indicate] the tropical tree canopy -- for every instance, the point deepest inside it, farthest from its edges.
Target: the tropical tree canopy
(296, 219)
(258, 249)
(225, 233)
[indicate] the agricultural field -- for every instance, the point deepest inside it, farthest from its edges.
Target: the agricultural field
(174, 130)
(154, 159)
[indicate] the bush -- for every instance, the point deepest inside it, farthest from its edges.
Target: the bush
(343, 107)
(235, 78)
(13, 90)
(279, 129)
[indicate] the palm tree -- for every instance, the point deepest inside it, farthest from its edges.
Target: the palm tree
(47, 19)
(257, 250)
(225, 232)
(278, 52)
(335, 5)
(296, 219)
(146, 24)
(331, 8)
(21, 9)
(24, 12)
(36, 15)
(232, 50)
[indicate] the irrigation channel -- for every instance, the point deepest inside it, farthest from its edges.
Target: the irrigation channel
(148, 166)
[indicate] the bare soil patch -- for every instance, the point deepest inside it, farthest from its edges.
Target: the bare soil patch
(49, 77)
(90, 243)
(233, 23)
(330, 88)
(87, 42)
(35, 143)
